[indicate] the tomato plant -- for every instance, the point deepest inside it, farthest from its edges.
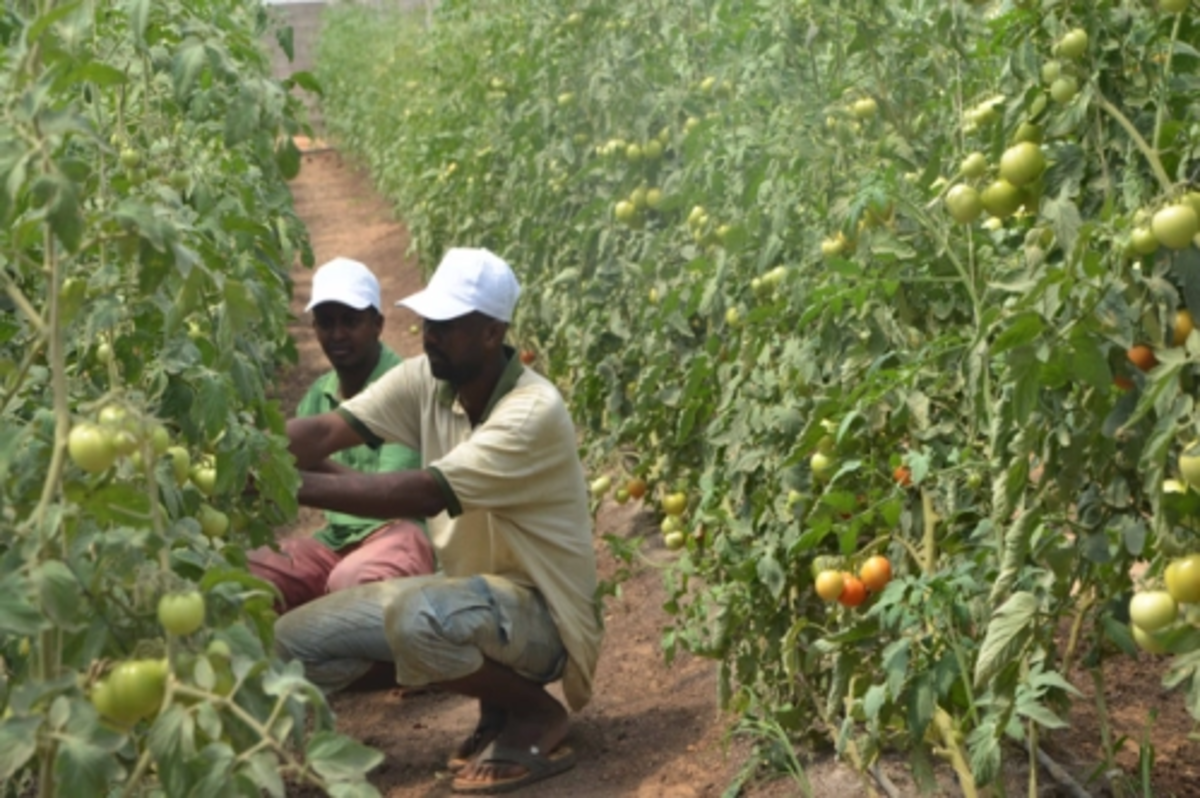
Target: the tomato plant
(147, 236)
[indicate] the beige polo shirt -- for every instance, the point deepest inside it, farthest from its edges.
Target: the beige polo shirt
(515, 489)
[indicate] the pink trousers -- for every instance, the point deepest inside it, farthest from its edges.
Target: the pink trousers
(305, 569)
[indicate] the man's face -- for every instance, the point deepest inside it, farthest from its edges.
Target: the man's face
(458, 348)
(348, 337)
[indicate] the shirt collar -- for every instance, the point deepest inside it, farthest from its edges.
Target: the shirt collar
(331, 386)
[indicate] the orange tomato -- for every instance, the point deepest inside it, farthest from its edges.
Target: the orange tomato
(636, 488)
(830, 585)
(903, 476)
(854, 592)
(875, 573)
(1122, 382)
(1142, 356)
(528, 356)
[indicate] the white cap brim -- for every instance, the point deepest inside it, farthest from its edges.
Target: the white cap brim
(435, 307)
(351, 301)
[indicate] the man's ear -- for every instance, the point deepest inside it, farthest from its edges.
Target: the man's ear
(379, 320)
(495, 333)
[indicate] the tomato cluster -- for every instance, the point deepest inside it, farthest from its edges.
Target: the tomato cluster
(851, 590)
(1153, 613)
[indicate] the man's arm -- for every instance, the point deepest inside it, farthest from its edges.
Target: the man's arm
(311, 439)
(398, 494)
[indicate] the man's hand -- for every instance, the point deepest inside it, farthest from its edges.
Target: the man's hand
(313, 438)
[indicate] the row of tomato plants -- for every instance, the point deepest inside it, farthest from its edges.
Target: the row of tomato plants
(146, 238)
(912, 280)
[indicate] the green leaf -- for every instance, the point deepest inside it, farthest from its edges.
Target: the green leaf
(1005, 636)
(1021, 329)
(185, 68)
(18, 742)
(18, 616)
(771, 574)
(139, 15)
(285, 36)
(263, 770)
(1088, 363)
(287, 158)
(339, 758)
(85, 764)
(874, 701)
(60, 594)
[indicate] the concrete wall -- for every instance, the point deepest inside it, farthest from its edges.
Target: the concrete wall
(305, 18)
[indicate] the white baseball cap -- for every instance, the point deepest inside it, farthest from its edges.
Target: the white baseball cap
(467, 280)
(346, 282)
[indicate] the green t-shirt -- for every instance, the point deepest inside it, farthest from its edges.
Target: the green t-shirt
(342, 529)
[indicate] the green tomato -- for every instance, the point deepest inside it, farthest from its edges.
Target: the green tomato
(674, 503)
(1147, 641)
(1022, 163)
(160, 439)
(674, 540)
(181, 463)
(91, 447)
(822, 465)
(600, 486)
(213, 522)
(137, 687)
(1064, 90)
(181, 613)
(1175, 225)
(1073, 44)
(974, 165)
(963, 204)
(1183, 579)
(1152, 610)
(204, 477)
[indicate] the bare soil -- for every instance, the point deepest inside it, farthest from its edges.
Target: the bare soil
(652, 731)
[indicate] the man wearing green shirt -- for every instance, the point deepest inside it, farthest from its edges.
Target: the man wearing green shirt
(348, 550)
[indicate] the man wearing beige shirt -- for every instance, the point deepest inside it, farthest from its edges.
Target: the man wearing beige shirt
(515, 607)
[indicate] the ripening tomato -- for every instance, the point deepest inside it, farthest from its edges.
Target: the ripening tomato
(1183, 327)
(528, 356)
(903, 476)
(829, 585)
(636, 488)
(875, 573)
(1142, 356)
(854, 592)
(674, 503)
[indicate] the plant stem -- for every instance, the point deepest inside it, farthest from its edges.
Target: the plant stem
(1076, 626)
(1102, 719)
(1033, 760)
(953, 752)
(929, 541)
(1150, 154)
(1160, 111)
